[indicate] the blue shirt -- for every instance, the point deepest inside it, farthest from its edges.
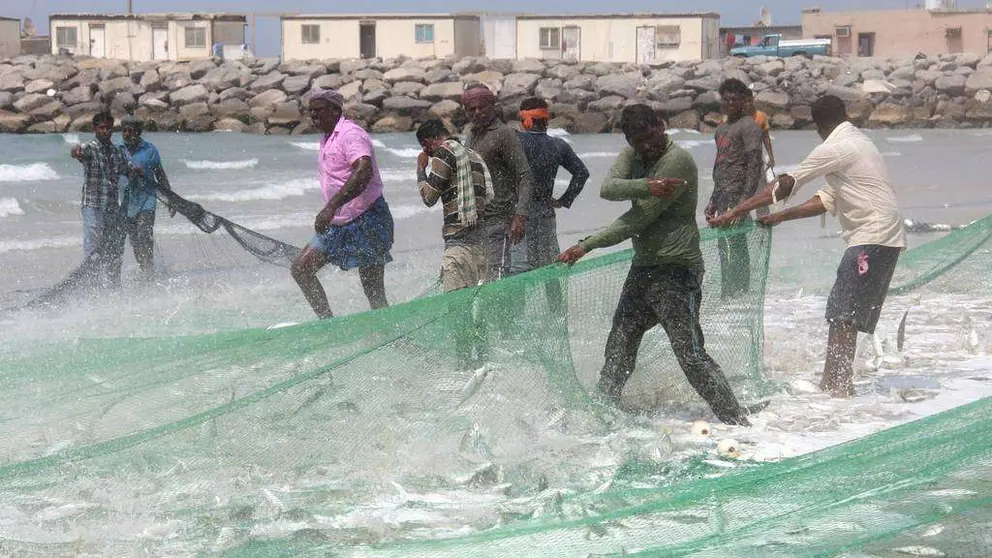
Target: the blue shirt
(139, 193)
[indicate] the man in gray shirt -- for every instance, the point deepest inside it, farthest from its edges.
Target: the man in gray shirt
(513, 184)
(737, 174)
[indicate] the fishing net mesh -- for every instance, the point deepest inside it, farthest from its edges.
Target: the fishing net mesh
(369, 435)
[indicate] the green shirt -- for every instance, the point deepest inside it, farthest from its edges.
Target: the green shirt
(663, 231)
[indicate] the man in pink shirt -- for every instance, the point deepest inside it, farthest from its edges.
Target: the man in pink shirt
(355, 227)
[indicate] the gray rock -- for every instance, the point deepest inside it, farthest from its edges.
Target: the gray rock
(600, 69)
(890, 115)
(39, 86)
(11, 123)
(576, 95)
(294, 85)
(351, 91)
(12, 83)
(221, 78)
(230, 108)
(773, 68)
(197, 117)
(177, 80)
(6, 100)
(89, 108)
(846, 79)
(677, 105)
(468, 65)
(367, 73)
(968, 59)
(846, 94)
(783, 122)
(54, 73)
(562, 72)
(986, 62)
(268, 65)
(686, 120)
(964, 71)
(31, 101)
(48, 110)
(904, 72)
(229, 125)
(286, 113)
(188, 95)
(269, 98)
(607, 104)
(709, 83)
(411, 74)
(235, 93)
(708, 68)
(150, 81)
(952, 85)
(156, 100)
(585, 82)
(330, 81)
(436, 92)
(270, 80)
(392, 124)
(771, 102)
(111, 87)
(876, 75)
(360, 111)
(624, 85)
(303, 69)
(927, 76)
(372, 84)
(706, 102)
(439, 75)
(528, 66)
(802, 115)
(490, 78)
(518, 85)
(407, 88)
(376, 96)
(663, 83)
(115, 70)
(981, 79)
(445, 109)
(405, 106)
(548, 89)
(123, 102)
(199, 68)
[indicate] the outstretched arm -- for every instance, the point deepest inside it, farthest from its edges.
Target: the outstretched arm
(811, 208)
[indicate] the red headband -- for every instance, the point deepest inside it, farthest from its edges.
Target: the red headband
(529, 116)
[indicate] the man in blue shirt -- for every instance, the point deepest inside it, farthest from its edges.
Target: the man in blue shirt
(545, 154)
(138, 196)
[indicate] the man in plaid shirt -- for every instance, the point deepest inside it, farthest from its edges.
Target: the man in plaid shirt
(103, 166)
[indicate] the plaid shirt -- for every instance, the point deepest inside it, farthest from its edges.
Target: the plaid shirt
(103, 166)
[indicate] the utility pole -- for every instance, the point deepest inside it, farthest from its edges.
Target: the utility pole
(129, 10)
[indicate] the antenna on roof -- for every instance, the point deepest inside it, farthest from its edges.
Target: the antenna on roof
(766, 16)
(129, 6)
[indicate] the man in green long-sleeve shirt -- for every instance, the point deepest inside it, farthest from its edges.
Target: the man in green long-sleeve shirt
(663, 286)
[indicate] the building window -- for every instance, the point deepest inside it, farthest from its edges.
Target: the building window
(65, 37)
(196, 37)
(668, 35)
(550, 38)
(424, 32)
(311, 34)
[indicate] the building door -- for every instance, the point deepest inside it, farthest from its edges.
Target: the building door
(990, 41)
(866, 44)
(160, 48)
(98, 42)
(366, 39)
(571, 43)
(645, 45)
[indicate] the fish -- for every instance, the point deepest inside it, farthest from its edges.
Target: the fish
(473, 384)
(919, 551)
(901, 333)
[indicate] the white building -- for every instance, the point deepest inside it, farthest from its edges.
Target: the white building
(147, 36)
(10, 37)
(321, 36)
(634, 38)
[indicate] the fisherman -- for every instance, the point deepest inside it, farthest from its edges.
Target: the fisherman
(859, 191)
(545, 154)
(355, 226)
(138, 200)
(513, 184)
(103, 166)
(663, 285)
(737, 175)
(458, 177)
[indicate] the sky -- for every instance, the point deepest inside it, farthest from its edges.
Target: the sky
(732, 12)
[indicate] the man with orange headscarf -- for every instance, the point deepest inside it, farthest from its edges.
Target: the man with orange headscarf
(545, 154)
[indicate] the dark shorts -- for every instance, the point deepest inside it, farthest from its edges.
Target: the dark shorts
(364, 242)
(863, 279)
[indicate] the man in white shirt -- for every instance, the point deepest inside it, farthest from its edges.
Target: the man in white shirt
(860, 194)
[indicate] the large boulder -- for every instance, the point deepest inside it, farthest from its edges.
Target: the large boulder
(12, 82)
(982, 79)
(953, 85)
(397, 75)
(607, 104)
(229, 125)
(269, 98)
(286, 113)
(773, 68)
(199, 68)
(30, 102)
(220, 78)
(294, 85)
(230, 108)
(442, 91)
(625, 85)
(445, 110)
(235, 93)
(6, 100)
(771, 101)
(110, 87)
(351, 91)
(270, 80)
(391, 124)
(562, 72)
(518, 85)
(151, 81)
(11, 123)
(39, 86)
(188, 95)
(330, 81)
(405, 106)
(890, 115)
(407, 89)
(846, 94)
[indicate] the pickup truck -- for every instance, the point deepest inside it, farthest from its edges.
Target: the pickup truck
(773, 45)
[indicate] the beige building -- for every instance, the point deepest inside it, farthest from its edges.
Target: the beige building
(10, 37)
(146, 36)
(635, 38)
(381, 35)
(902, 32)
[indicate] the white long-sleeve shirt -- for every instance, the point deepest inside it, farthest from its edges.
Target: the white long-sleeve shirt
(858, 190)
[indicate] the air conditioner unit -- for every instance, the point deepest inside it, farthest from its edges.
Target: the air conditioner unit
(844, 31)
(953, 32)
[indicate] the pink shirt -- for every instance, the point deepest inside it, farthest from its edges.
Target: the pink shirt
(338, 151)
